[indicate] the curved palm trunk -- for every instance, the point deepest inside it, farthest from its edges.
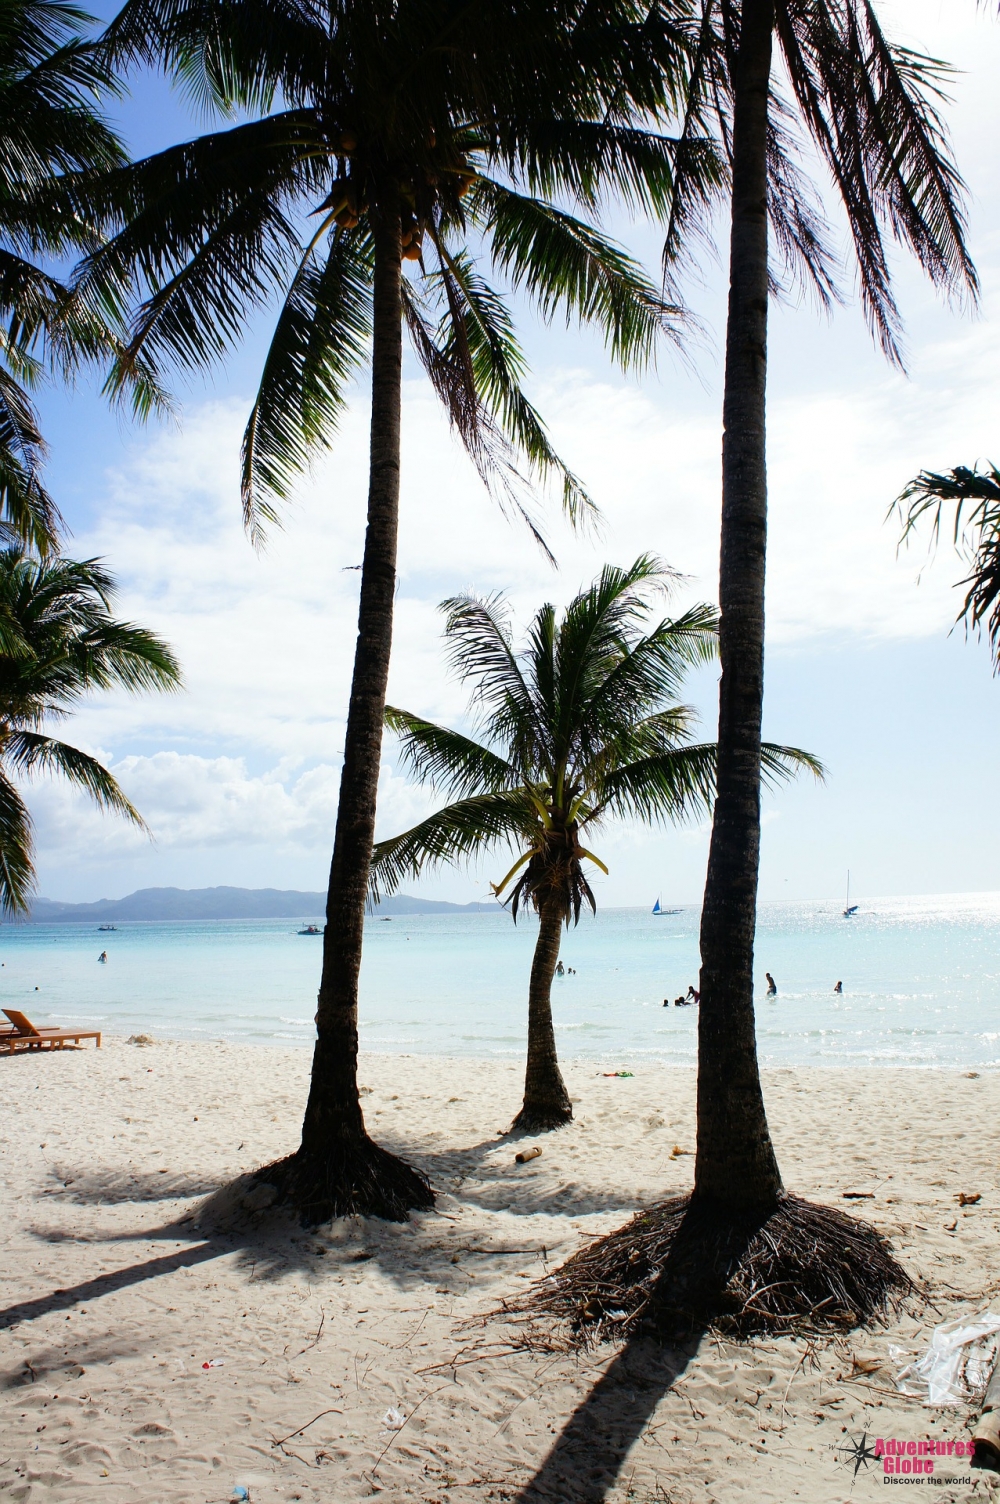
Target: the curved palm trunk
(546, 1101)
(735, 1161)
(339, 1170)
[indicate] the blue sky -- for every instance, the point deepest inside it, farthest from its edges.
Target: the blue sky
(238, 774)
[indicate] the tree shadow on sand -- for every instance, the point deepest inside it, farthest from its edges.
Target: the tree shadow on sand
(204, 1220)
(587, 1458)
(584, 1464)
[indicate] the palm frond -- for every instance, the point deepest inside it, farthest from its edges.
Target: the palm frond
(17, 871)
(688, 239)
(457, 833)
(563, 263)
(206, 227)
(495, 365)
(779, 764)
(477, 632)
(671, 786)
(597, 161)
(319, 341)
(60, 608)
(447, 760)
(31, 752)
(870, 107)
(26, 505)
(975, 495)
(795, 212)
(444, 353)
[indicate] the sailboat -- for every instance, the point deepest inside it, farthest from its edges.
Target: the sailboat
(849, 907)
(660, 913)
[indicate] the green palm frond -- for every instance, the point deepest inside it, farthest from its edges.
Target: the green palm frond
(206, 229)
(31, 752)
(319, 341)
(599, 160)
(59, 640)
(495, 366)
(562, 262)
(50, 78)
(26, 505)
(445, 759)
(60, 607)
(975, 496)
(652, 672)
(688, 236)
(457, 833)
(871, 107)
(673, 786)
(479, 647)
(779, 764)
(17, 873)
(445, 355)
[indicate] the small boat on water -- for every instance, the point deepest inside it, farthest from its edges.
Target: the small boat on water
(849, 907)
(311, 929)
(661, 912)
(107, 929)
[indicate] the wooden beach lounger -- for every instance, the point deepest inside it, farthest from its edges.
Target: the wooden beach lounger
(23, 1034)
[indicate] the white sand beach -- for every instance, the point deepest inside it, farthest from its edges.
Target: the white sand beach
(117, 1292)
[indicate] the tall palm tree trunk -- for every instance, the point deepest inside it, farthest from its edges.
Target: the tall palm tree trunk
(735, 1161)
(338, 1164)
(546, 1101)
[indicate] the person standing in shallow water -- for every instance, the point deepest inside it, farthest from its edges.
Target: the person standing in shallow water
(839, 987)
(772, 986)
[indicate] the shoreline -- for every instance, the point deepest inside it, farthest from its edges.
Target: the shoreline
(122, 1283)
(624, 1059)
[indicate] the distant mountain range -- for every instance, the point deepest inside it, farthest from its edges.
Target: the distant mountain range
(178, 904)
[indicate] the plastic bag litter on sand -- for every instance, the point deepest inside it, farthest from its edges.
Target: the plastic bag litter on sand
(956, 1367)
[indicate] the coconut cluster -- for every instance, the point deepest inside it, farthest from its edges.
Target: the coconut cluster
(348, 202)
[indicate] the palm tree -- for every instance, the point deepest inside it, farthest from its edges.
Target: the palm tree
(975, 534)
(62, 644)
(52, 144)
(870, 109)
(581, 727)
(408, 133)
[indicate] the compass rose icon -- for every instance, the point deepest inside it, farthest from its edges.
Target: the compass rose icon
(859, 1453)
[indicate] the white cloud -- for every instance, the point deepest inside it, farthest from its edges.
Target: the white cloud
(195, 803)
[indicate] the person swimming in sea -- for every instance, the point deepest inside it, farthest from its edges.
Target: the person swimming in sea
(103, 957)
(692, 995)
(560, 969)
(772, 986)
(839, 987)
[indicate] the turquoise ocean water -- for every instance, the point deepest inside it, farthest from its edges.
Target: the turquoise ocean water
(921, 982)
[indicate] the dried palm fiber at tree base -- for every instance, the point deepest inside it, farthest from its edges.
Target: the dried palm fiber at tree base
(356, 1179)
(685, 1265)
